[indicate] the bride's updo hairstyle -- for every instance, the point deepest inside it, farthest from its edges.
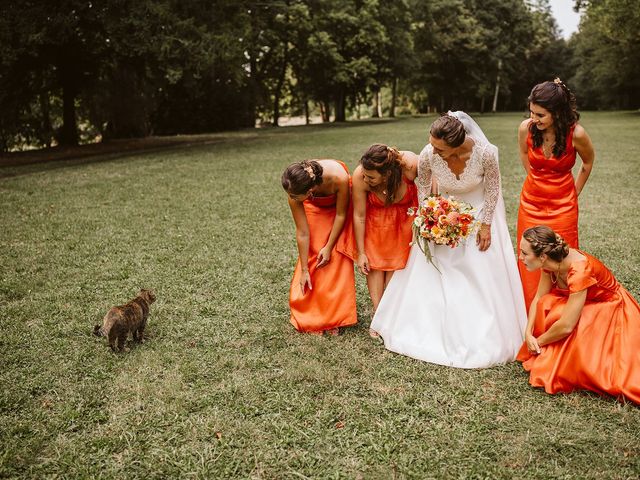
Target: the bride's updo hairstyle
(561, 103)
(384, 160)
(449, 129)
(543, 240)
(298, 178)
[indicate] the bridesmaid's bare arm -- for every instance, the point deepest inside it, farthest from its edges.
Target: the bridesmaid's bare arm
(584, 147)
(568, 320)
(302, 240)
(359, 193)
(544, 287)
(523, 131)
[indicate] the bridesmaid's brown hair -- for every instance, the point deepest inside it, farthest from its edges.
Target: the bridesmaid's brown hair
(544, 240)
(384, 159)
(561, 103)
(299, 178)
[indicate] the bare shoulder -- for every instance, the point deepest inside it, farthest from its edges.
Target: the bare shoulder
(523, 132)
(358, 179)
(409, 158)
(579, 133)
(409, 162)
(334, 170)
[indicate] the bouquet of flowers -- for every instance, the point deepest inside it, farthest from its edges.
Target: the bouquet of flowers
(443, 221)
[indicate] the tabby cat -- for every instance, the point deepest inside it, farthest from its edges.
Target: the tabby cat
(130, 317)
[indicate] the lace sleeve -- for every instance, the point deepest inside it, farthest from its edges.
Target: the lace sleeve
(491, 182)
(423, 181)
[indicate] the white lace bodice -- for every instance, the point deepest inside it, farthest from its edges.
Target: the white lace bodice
(482, 167)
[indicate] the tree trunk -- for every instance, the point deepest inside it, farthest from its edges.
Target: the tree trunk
(340, 107)
(276, 109)
(128, 103)
(325, 111)
(253, 81)
(377, 109)
(46, 118)
(306, 112)
(281, 78)
(494, 108)
(394, 92)
(482, 102)
(69, 130)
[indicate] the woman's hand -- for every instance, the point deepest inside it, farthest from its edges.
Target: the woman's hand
(305, 279)
(363, 264)
(483, 239)
(324, 256)
(532, 344)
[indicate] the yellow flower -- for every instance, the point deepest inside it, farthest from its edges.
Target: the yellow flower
(432, 203)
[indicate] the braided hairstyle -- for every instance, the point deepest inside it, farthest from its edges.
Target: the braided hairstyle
(384, 160)
(448, 128)
(561, 103)
(298, 178)
(543, 240)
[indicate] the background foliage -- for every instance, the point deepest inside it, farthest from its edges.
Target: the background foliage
(80, 70)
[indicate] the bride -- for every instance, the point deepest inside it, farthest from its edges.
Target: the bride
(472, 314)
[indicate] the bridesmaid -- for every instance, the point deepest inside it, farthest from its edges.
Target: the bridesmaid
(549, 141)
(322, 296)
(383, 191)
(584, 327)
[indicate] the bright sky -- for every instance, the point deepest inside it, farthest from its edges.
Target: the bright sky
(565, 16)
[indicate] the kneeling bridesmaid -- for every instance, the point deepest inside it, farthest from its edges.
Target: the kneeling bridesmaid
(584, 327)
(322, 294)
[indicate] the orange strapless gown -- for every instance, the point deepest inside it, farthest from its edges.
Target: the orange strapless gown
(602, 353)
(548, 198)
(387, 231)
(332, 302)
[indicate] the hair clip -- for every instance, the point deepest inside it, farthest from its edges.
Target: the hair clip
(309, 170)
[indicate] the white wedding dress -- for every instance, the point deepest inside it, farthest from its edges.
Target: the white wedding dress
(472, 315)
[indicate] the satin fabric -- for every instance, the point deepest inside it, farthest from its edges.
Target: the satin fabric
(332, 302)
(388, 234)
(469, 316)
(548, 198)
(602, 353)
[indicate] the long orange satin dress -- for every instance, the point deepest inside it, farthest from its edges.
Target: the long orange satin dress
(387, 231)
(602, 353)
(332, 302)
(548, 198)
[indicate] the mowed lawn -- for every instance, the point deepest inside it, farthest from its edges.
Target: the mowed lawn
(224, 386)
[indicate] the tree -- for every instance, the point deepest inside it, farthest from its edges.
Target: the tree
(58, 46)
(608, 47)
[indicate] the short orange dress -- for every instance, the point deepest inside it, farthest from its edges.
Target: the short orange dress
(548, 198)
(388, 234)
(332, 302)
(602, 353)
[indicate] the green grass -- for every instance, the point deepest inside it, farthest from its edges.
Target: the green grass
(225, 387)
